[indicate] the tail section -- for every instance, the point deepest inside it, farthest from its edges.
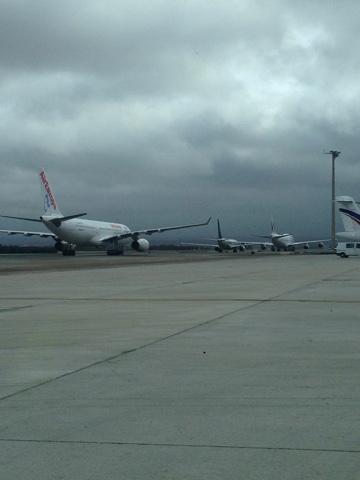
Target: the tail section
(350, 213)
(50, 204)
(273, 230)
(273, 227)
(219, 229)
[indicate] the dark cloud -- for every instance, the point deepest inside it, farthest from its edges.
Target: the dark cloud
(159, 112)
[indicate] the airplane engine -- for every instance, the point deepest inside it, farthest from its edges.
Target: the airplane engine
(320, 245)
(241, 248)
(140, 245)
(263, 247)
(306, 246)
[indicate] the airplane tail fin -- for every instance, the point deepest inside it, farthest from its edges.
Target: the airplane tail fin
(350, 213)
(219, 229)
(50, 204)
(272, 225)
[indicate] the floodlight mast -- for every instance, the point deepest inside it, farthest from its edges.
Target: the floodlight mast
(334, 154)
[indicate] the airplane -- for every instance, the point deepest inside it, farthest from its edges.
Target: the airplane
(226, 244)
(286, 241)
(350, 216)
(71, 231)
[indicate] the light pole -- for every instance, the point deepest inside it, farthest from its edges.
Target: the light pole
(334, 154)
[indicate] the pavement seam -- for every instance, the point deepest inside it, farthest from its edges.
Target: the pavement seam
(172, 300)
(142, 261)
(124, 352)
(181, 445)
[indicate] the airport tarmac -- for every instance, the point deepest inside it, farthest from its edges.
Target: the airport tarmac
(180, 366)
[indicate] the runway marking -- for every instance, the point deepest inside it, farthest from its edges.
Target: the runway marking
(255, 303)
(275, 298)
(182, 445)
(125, 352)
(14, 309)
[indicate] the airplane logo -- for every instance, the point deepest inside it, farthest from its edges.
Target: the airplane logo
(47, 203)
(350, 216)
(353, 215)
(46, 185)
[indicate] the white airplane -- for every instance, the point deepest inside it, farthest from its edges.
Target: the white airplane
(350, 216)
(71, 231)
(225, 244)
(286, 241)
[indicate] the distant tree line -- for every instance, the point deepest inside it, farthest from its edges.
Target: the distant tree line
(26, 249)
(51, 249)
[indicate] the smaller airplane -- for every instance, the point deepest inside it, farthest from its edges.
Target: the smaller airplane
(225, 244)
(350, 216)
(286, 241)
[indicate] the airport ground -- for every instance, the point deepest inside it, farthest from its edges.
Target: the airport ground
(179, 366)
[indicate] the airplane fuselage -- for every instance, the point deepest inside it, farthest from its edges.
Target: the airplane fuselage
(86, 232)
(227, 243)
(282, 241)
(348, 236)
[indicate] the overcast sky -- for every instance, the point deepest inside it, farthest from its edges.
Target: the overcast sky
(161, 112)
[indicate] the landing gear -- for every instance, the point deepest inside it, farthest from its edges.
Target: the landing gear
(70, 252)
(113, 252)
(67, 249)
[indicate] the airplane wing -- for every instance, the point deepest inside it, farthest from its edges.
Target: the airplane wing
(29, 234)
(209, 245)
(136, 233)
(22, 218)
(310, 241)
(265, 244)
(233, 245)
(56, 220)
(239, 244)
